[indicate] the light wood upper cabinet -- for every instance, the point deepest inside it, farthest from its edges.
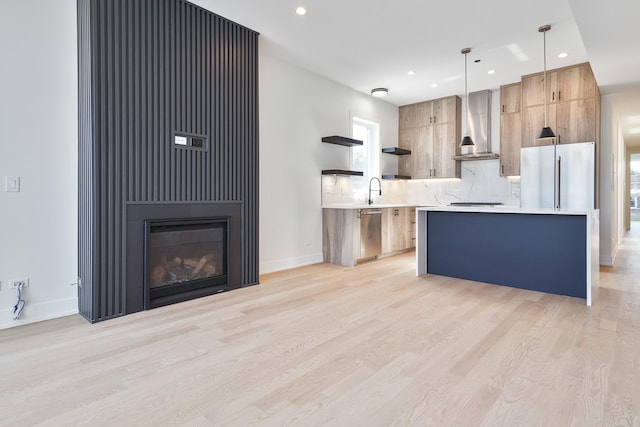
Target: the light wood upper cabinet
(533, 122)
(510, 97)
(576, 83)
(510, 129)
(431, 130)
(573, 106)
(576, 121)
(422, 152)
(445, 146)
(533, 88)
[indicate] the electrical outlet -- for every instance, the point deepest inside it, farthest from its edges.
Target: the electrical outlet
(15, 283)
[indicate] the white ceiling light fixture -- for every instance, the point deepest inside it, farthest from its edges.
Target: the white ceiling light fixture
(491, 72)
(434, 84)
(563, 55)
(547, 132)
(411, 72)
(301, 11)
(379, 92)
(466, 141)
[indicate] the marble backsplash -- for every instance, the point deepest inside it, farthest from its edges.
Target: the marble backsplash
(480, 182)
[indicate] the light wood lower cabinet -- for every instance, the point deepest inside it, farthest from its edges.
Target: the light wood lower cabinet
(340, 236)
(341, 233)
(396, 229)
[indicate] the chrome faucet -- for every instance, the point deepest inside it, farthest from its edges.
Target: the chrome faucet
(379, 188)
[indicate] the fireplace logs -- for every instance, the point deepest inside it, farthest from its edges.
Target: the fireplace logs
(176, 269)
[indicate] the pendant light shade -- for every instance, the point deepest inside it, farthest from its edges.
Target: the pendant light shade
(466, 141)
(547, 132)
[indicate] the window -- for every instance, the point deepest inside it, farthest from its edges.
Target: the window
(365, 158)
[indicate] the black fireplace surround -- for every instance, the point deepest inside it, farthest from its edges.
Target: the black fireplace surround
(142, 216)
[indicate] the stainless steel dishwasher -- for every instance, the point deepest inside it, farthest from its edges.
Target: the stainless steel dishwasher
(370, 233)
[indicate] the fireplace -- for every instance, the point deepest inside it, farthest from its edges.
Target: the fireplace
(184, 259)
(180, 251)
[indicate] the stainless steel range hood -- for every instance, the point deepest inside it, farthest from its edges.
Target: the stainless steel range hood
(479, 127)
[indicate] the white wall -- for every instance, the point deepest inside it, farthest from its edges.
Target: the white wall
(298, 108)
(38, 120)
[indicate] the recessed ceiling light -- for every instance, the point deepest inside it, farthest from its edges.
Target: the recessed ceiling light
(563, 55)
(379, 92)
(434, 84)
(491, 72)
(301, 11)
(411, 72)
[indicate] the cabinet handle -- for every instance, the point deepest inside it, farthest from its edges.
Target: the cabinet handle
(434, 119)
(503, 108)
(553, 96)
(502, 166)
(559, 95)
(434, 172)
(430, 119)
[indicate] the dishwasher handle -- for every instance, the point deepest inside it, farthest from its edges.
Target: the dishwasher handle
(370, 211)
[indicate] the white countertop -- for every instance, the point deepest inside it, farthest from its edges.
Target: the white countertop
(373, 206)
(501, 209)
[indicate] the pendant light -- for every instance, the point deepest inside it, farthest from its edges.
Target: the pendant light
(547, 132)
(466, 141)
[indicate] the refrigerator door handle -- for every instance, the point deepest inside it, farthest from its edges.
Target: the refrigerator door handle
(558, 181)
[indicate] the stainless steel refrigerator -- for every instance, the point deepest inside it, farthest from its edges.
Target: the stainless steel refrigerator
(558, 176)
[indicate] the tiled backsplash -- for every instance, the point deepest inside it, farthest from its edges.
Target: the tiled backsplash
(480, 182)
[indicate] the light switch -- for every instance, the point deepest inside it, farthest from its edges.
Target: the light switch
(12, 183)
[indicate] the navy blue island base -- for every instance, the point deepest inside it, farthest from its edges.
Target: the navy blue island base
(549, 253)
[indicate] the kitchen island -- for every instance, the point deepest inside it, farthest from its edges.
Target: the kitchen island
(537, 249)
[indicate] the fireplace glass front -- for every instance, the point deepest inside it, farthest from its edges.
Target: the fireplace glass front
(185, 259)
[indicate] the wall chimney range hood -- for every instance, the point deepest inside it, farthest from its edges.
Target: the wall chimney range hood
(479, 127)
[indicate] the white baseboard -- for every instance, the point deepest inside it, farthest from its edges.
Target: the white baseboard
(607, 260)
(38, 312)
(288, 263)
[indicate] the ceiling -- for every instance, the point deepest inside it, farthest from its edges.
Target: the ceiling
(365, 44)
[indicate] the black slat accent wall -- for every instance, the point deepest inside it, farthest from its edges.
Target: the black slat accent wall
(149, 69)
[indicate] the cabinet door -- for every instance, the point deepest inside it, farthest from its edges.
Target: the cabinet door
(510, 98)
(422, 153)
(412, 227)
(576, 83)
(396, 229)
(424, 114)
(576, 121)
(533, 89)
(510, 143)
(405, 140)
(532, 123)
(445, 146)
(387, 230)
(407, 116)
(445, 110)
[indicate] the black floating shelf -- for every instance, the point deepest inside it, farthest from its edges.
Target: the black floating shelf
(396, 177)
(341, 172)
(396, 150)
(341, 140)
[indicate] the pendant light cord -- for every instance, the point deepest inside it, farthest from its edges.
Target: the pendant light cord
(466, 93)
(544, 76)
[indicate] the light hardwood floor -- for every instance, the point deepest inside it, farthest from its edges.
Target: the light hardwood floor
(327, 345)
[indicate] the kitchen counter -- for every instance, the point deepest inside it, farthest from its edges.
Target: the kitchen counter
(538, 249)
(373, 206)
